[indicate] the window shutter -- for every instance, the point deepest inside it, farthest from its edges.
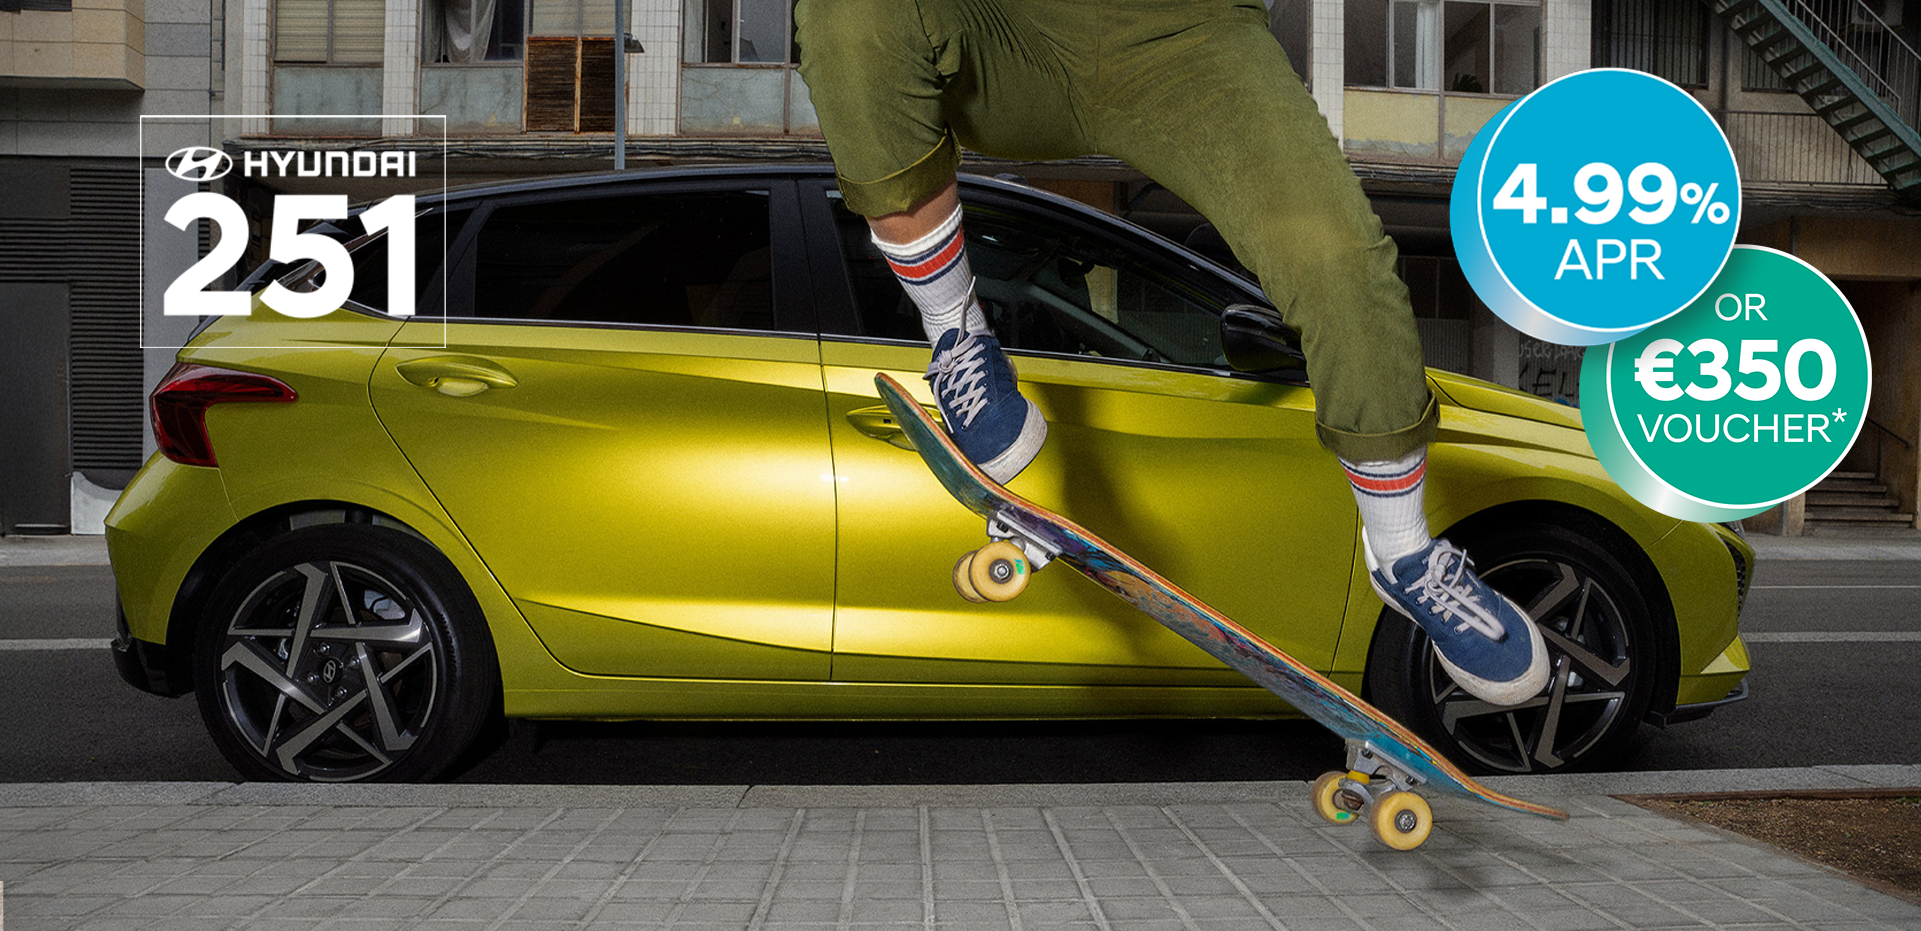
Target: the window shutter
(552, 73)
(360, 31)
(596, 85)
(300, 30)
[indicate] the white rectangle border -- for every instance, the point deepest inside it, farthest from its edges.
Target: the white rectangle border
(140, 160)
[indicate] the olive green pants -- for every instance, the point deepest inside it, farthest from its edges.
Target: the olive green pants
(1197, 95)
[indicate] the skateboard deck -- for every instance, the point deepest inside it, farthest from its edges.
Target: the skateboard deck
(1385, 758)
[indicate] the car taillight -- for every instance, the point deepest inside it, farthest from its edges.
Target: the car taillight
(179, 406)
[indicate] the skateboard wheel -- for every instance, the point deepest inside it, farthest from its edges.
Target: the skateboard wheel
(961, 583)
(1402, 820)
(1331, 801)
(999, 571)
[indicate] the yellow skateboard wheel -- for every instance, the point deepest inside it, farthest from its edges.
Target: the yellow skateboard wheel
(1328, 801)
(1402, 820)
(961, 583)
(999, 571)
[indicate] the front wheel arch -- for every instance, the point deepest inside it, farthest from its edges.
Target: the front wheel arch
(1626, 647)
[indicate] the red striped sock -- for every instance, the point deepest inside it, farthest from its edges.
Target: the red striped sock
(933, 270)
(1391, 498)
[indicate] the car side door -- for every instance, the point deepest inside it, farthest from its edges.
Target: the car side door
(623, 414)
(1214, 480)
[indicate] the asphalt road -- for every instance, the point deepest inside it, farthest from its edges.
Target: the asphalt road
(1836, 655)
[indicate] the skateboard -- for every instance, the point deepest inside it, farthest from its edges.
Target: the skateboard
(1386, 761)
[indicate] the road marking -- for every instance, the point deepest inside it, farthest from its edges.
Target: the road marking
(1834, 586)
(1836, 636)
(73, 644)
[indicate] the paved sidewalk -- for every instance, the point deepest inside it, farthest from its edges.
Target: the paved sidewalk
(1193, 857)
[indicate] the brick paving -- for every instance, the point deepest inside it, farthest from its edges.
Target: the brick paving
(1085, 858)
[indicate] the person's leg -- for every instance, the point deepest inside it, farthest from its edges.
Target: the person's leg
(890, 81)
(1212, 110)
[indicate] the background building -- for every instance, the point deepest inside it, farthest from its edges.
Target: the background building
(1818, 98)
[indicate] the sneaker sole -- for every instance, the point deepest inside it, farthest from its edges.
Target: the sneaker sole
(1508, 693)
(1018, 454)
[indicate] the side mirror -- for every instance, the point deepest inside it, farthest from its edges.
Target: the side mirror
(1254, 339)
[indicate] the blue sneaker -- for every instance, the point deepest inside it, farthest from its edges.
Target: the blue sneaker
(1000, 431)
(1484, 640)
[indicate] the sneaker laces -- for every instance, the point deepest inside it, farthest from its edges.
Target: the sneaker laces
(1447, 589)
(959, 375)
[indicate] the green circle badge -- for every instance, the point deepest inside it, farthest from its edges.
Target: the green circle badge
(1747, 397)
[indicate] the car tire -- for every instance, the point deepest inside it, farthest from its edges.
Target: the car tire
(292, 687)
(1600, 636)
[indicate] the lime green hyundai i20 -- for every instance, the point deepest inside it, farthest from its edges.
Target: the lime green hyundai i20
(626, 461)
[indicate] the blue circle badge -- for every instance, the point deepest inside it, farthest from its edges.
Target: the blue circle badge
(1595, 207)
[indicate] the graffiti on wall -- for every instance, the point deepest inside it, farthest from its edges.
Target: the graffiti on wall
(1551, 370)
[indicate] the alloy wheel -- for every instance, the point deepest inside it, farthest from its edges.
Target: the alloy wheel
(1591, 648)
(329, 671)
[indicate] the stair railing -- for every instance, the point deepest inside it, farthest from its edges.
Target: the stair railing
(1869, 47)
(1882, 434)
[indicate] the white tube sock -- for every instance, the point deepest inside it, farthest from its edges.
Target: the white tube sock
(934, 271)
(1391, 498)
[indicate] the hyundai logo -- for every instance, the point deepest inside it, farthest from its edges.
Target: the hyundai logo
(199, 163)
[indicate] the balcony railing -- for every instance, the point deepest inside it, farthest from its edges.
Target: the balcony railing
(1773, 147)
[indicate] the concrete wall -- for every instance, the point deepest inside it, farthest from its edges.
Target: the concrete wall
(1887, 313)
(727, 99)
(326, 89)
(99, 43)
(1877, 264)
(1848, 247)
(475, 98)
(79, 119)
(1396, 124)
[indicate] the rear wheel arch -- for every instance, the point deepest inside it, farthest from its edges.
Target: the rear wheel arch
(345, 649)
(225, 551)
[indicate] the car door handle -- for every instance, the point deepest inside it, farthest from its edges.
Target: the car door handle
(455, 376)
(880, 423)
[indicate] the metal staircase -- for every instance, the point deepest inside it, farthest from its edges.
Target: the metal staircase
(1856, 72)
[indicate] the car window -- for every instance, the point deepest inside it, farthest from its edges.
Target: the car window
(431, 233)
(690, 259)
(1047, 288)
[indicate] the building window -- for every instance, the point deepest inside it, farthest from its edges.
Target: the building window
(1291, 22)
(335, 32)
(740, 32)
(1460, 46)
(467, 31)
(739, 75)
(1668, 40)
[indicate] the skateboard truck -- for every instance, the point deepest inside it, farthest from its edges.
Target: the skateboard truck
(1039, 552)
(1373, 786)
(1000, 570)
